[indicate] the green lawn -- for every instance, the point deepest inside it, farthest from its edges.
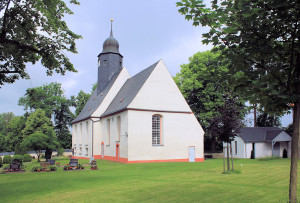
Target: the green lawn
(259, 181)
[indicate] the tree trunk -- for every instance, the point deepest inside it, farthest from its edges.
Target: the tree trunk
(231, 157)
(254, 108)
(295, 140)
(228, 164)
(213, 144)
(294, 155)
(224, 158)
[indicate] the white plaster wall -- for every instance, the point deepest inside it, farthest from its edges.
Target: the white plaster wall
(179, 131)
(284, 145)
(81, 136)
(119, 82)
(110, 144)
(97, 137)
(160, 92)
(263, 149)
(74, 137)
(248, 148)
(240, 148)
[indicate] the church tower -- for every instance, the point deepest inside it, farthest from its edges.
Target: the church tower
(109, 61)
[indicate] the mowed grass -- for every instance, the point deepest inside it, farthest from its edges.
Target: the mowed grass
(259, 181)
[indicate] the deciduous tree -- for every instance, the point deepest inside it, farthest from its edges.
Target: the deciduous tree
(204, 82)
(31, 31)
(260, 39)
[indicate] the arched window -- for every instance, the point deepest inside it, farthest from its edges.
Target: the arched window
(156, 129)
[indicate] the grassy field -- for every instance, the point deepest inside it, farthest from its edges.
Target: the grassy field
(258, 181)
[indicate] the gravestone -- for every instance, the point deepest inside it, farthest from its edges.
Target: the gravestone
(51, 161)
(73, 162)
(94, 165)
(15, 165)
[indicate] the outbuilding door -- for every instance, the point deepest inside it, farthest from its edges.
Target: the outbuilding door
(276, 149)
(192, 154)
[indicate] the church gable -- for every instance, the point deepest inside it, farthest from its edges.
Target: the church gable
(111, 94)
(160, 93)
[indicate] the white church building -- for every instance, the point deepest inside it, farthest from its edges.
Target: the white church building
(138, 119)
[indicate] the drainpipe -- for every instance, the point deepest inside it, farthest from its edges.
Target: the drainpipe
(93, 138)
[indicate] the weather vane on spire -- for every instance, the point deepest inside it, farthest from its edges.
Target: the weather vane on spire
(111, 32)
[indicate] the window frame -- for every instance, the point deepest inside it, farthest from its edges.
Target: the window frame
(156, 130)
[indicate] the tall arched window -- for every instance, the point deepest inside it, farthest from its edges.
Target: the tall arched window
(156, 129)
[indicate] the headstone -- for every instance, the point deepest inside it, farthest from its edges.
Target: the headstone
(15, 165)
(51, 161)
(94, 165)
(73, 162)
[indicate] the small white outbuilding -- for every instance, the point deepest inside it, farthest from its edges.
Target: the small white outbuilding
(143, 118)
(264, 141)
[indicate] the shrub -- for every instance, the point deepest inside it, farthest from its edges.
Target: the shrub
(52, 168)
(7, 159)
(67, 167)
(42, 156)
(252, 155)
(36, 168)
(284, 154)
(80, 166)
(0, 161)
(18, 157)
(7, 167)
(27, 158)
(60, 151)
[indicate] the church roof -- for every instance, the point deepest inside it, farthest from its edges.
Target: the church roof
(129, 90)
(259, 134)
(95, 101)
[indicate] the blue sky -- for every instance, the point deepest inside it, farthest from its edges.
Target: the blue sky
(147, 31)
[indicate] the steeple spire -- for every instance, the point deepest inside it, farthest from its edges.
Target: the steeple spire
(111, 32)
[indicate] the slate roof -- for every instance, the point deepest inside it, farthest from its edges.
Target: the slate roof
(259, 134)
(95, 101)
(129, 90)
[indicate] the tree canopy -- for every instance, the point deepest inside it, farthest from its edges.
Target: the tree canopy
(31, 31)
(260, 40)
(51, 98)
(204, 82)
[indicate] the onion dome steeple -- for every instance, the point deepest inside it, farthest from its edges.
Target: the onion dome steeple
(109, 62)
(111, 45)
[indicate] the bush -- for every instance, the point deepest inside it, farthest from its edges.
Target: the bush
(52, 168)
(284, 154)
(0, 161)
(252, 155)
(60, 151)
(80, 166)
(18, 157)
(42, 156)
(7, 167)
(36, 168)
(27, 158)
(7, 159)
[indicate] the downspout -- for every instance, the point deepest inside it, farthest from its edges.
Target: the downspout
(92, 139)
